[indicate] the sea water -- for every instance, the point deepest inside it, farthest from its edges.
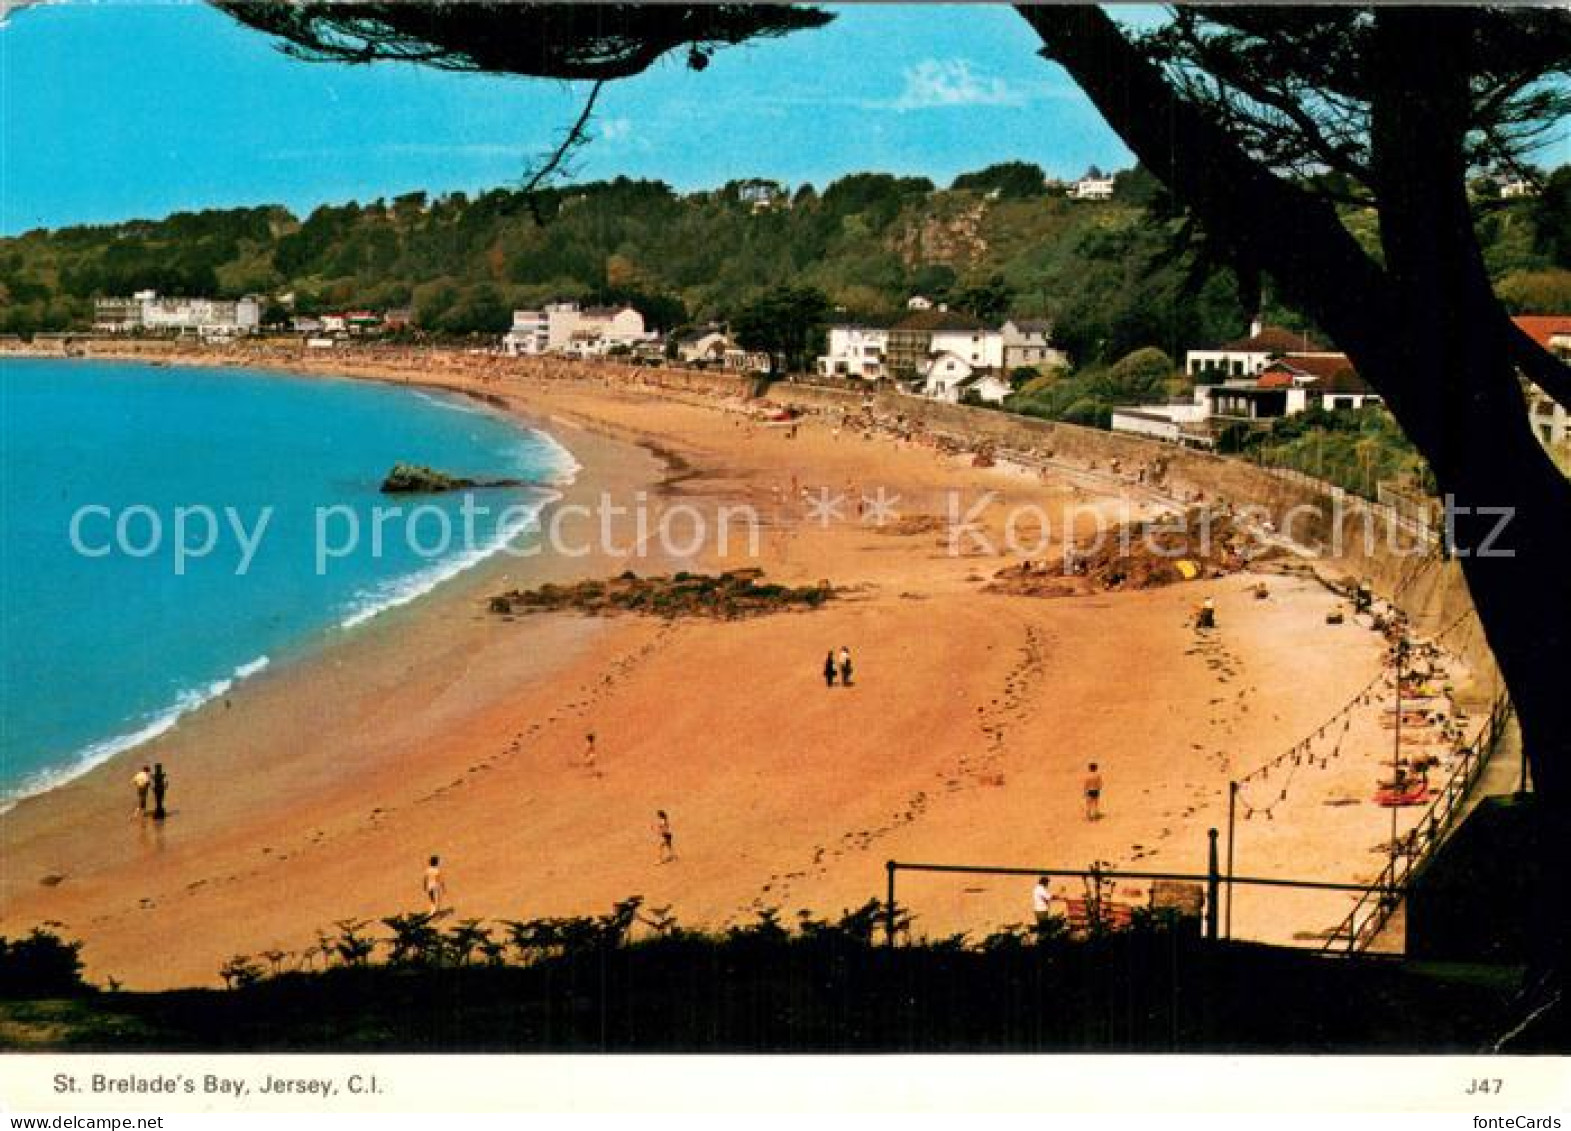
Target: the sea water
(105, 641)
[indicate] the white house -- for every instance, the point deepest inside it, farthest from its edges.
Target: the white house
(949, 377)
(566, 328)
(1514, 188)
(1092, 188)
(856, 350)
(703, 345)
(1284, 387)
(1028, 343)
(1551, 423)
(1324, 379)
(1180, 423)
(980, 347)
(919, 302)
(615, 325)
(204, 317)
(1246, 357)
(530, 334)
(762, 195)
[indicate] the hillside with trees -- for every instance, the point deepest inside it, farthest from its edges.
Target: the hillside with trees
(1114, 276)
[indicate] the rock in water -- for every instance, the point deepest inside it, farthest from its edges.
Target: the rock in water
(417, 479)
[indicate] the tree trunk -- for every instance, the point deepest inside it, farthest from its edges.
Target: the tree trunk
(1426, 330)
(1469, 417)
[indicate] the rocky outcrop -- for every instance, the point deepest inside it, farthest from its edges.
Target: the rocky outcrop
(417, 479)
(732, 595)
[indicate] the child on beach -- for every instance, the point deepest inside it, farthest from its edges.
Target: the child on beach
(143, 781)
(845, 666)
(1093, 789)
(433, 885)
(663, 831)
(829, 669)
(589, 751)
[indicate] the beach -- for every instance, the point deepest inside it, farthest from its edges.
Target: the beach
(315, 791)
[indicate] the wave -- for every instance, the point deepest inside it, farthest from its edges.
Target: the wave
(565, 467)
(98, 753)
(401, 591)
(454, 404)
(563, 470)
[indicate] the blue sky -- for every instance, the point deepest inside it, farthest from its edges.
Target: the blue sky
(110, 111)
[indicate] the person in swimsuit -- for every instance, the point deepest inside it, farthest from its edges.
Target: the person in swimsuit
(433, 884)
(1093, 789)
(845, 666)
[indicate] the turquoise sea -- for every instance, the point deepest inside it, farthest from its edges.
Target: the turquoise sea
(107, 637)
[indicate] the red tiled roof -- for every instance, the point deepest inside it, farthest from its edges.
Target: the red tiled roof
(1271, 339)
(1541, 327)
(1327, 372)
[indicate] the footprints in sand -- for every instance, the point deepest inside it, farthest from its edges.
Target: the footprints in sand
(1226, 666)
(978, 767)
(377, 820)
(580, 708)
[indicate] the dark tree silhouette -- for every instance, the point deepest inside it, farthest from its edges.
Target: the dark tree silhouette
(1257, 121)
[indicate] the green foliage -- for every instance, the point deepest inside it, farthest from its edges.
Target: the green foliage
(349, 947)
(1088, 396)
(241, 971)
(40, 965)
(1114, 277)
(1357, 449)
(1138, 376)
(1551, 213)
(1013, 180)
(785, 320)
(1537, 292)
(989, 301)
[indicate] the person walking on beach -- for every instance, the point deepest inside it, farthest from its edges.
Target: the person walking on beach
(1093, 790)
(160, 784)
(845, 666)
(829, 669)
(667, 841)
(143, 781)
(589, 751)
(433, 884)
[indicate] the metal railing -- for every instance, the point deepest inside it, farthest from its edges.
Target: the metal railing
(1374, 909)
(1213, 879)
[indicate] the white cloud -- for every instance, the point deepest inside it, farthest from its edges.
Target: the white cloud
(952, 82)
(616, 129)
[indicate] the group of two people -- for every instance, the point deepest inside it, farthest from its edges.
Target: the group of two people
(151, 781)
(842, 668)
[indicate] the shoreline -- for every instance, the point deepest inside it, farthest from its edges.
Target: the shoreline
(427, 582)
(318, 796)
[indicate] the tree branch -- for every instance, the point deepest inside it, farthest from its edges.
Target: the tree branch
(1288, 231)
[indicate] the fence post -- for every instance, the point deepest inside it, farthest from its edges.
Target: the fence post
(889, 902)
(1213, 888)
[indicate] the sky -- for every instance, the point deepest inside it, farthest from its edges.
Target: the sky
(117, 110)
